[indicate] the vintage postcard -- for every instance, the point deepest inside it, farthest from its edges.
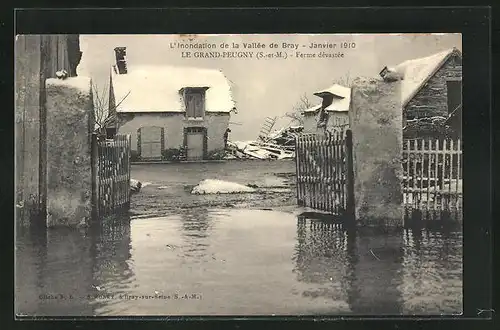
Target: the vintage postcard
(247, 174)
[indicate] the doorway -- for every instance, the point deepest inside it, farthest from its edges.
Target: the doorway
(454, 94)
(195, 142)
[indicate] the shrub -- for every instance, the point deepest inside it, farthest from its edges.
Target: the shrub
(427, 128)
(217, 154)
(173, 154)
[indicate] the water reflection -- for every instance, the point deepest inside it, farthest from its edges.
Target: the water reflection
(111, 264)
(53, 273)
(243, 262)
(320, 259)
(195, 229)
(69, 272)
(432, 272)
(374, 276)
(381, 272)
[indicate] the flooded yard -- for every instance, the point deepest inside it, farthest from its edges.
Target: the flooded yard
(167, 187)
(243, 254)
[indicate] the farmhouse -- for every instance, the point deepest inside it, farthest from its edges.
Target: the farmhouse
(332, 114)
(431, 86)
(170, 108)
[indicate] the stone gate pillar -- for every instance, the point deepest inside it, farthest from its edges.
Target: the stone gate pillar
(376, 122)
(69, 125)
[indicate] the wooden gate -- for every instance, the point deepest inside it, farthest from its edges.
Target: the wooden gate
(110, 175)
(432, 176)
(325, 176)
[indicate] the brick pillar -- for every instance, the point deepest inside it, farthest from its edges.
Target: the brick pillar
(376, 123)
(69, 185)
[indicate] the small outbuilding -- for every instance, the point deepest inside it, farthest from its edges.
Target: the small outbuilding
(332, 114)
(167, 108)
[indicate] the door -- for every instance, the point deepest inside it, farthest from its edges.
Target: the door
(195, 143)
(454, 94)
(151, 142)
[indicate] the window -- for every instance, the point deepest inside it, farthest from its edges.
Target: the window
(454, 94)
(195, 102)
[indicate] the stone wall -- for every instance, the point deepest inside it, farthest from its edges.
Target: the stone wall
(69, 184)
(376, 124)
(37, 57)
(174, 124)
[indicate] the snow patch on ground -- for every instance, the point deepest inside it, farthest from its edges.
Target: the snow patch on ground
(212, 186)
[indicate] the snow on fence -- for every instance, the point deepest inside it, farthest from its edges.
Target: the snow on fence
(110, 174)
(432, 175)
(324, 172)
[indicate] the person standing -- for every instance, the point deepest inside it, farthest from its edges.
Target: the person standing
(226, 135)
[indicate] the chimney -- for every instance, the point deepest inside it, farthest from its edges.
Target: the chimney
(121, 59)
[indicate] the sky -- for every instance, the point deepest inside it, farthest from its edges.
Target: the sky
(265, 87)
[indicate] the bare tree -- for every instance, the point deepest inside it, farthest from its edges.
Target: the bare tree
(345, 80)
(104, 113)
(296, 115)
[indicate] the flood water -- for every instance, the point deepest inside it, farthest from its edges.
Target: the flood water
(216, 255)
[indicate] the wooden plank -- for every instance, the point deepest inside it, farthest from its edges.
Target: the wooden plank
(94, 178)
(429, 147)
(350, 204)
(443, 173)
(328, 178)
(297, 170)
(308, 190)
(450, 173)
(459, 169)
(436, 183)
(342, 173)
(338, 172)
(312, 165)
(414, 173)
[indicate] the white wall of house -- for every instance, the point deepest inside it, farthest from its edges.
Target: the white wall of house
(174, 124)
(310, 123)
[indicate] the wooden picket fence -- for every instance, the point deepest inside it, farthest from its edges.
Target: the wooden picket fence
(110, 175)
(432, 175)
(325, 177)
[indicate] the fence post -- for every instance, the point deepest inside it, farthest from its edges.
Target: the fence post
(350, 205)
(95, 187)
(297, 172)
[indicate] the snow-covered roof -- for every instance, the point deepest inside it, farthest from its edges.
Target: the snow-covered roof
(336, 90)
(341, 99)
(417, 72)
(313, 108)
(157, 88)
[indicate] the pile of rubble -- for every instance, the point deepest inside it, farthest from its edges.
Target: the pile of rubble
(279, 144)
